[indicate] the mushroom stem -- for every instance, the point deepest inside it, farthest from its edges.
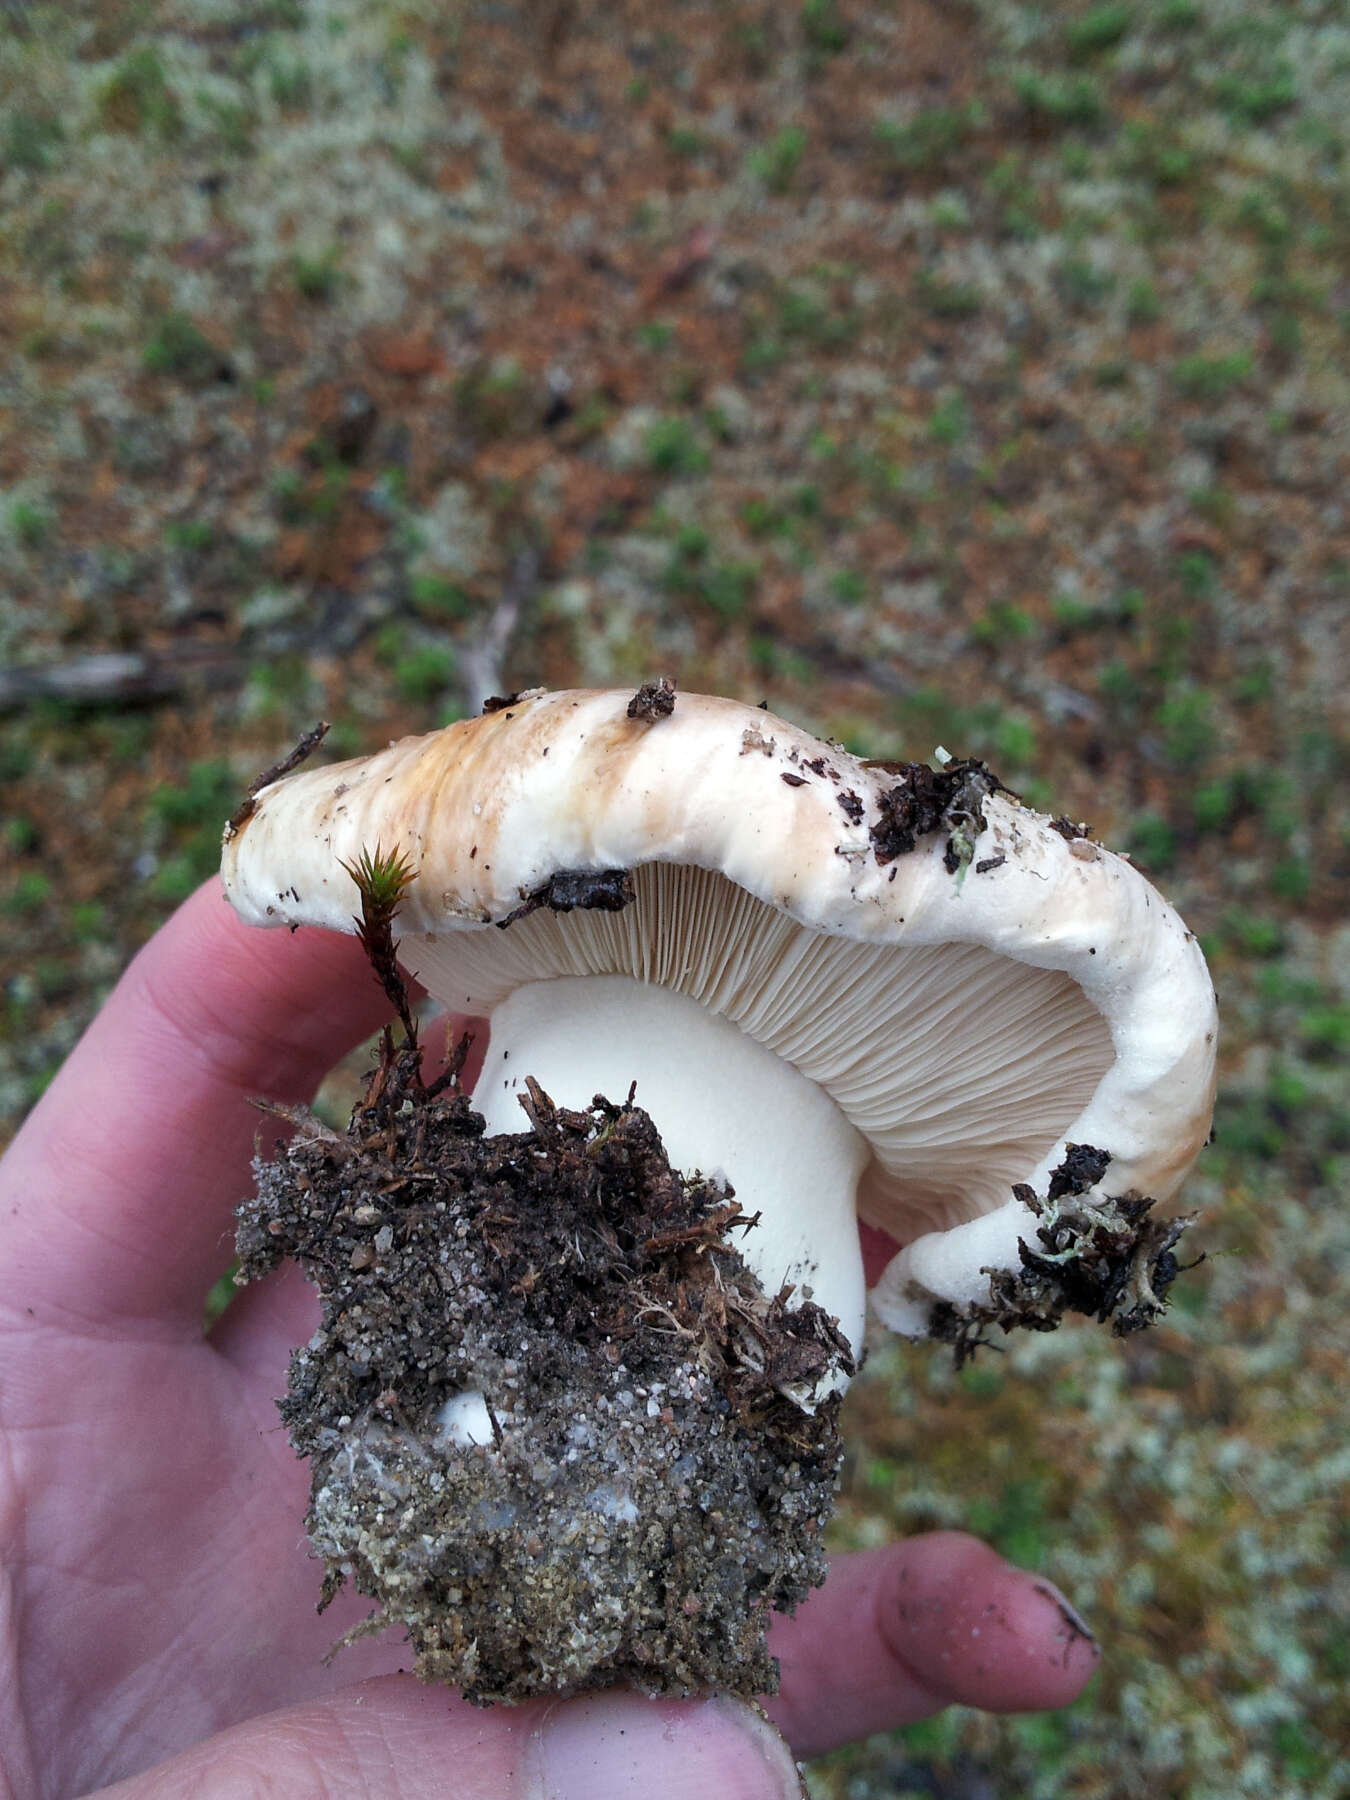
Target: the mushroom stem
(724, 1105)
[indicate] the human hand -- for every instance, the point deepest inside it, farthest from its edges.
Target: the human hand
(157, 1622)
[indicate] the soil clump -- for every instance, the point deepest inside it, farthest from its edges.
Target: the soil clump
(646, 1487)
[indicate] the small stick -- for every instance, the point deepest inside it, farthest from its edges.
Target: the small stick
(292, 760)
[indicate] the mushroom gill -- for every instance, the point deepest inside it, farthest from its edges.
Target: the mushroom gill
(962, 1068)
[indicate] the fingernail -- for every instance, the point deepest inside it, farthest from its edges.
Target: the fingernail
(1072, 1628)
(618, 1746)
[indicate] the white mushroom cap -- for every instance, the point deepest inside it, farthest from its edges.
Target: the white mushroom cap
(969, 1023)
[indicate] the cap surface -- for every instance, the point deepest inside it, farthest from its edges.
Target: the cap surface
(970, 1007)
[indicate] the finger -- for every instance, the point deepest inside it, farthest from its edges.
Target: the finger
(937, 1620)
(265, 1322)
(115, 1196)
(878, 1247)
(398, 1739)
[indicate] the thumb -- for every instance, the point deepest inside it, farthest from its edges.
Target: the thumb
(401, 1741)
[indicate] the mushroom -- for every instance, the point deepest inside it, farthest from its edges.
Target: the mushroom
(855, 989)
(839, 990)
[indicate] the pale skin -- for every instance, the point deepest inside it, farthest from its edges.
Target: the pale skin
(157, 1600)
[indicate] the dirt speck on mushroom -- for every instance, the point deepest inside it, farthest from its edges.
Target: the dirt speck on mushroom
(654, 700)
(924, 800)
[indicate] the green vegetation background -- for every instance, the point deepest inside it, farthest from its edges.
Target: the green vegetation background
(941, 373)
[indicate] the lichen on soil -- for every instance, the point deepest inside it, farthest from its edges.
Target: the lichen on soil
(1104, 1256)
(652, 1491)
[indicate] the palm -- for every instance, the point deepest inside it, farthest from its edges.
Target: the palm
(155, 1586)
(164, 1589)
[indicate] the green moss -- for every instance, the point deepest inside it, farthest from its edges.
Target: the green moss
(685, 141)
(89, 922)
(1016, 1520)
(1073, 613)
(290, 82)
(206, 796)
(1254, 934)
(435, 597)
(725, 588)
(318, 277)
(422, 673)
(29, 893)
(776, 163)
(1064, 102)
(1099, 28)
(949, 420)
(1211, 377)
(235, 122)
(29, 524)
(1014, 742)
(1259, 97)
(1263, 213)
(1324, 1031)
(192, 536)
(32, 141)
(806, 316)
(950, 211)
(1291, 879)
(674, 448)
(1153, 843)
(179, 874)
(849, 587)
(176, 346)
(1186, 717)
(493, 400)
(930, 139)
(1003, 621)
(1083, 285)
(1142, 305)
(138, 98)
(944, 298)
(823, 29)
(218, 1298)
(1157, 153)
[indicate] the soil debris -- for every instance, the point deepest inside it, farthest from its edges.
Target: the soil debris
(578, 890)
(1070, 829)
(927, 799)
(1105, 1257)
(644, 1486)
(654, 700)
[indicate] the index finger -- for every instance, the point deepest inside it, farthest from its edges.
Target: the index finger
(933, 1621)
(116, 1195)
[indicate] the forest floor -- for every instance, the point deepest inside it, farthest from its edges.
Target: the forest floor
(942, 373)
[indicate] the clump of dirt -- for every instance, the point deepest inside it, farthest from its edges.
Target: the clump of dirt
(1103, 1256)
(654, 700)
(926, 799)
(578, 890)
(648, 1486)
